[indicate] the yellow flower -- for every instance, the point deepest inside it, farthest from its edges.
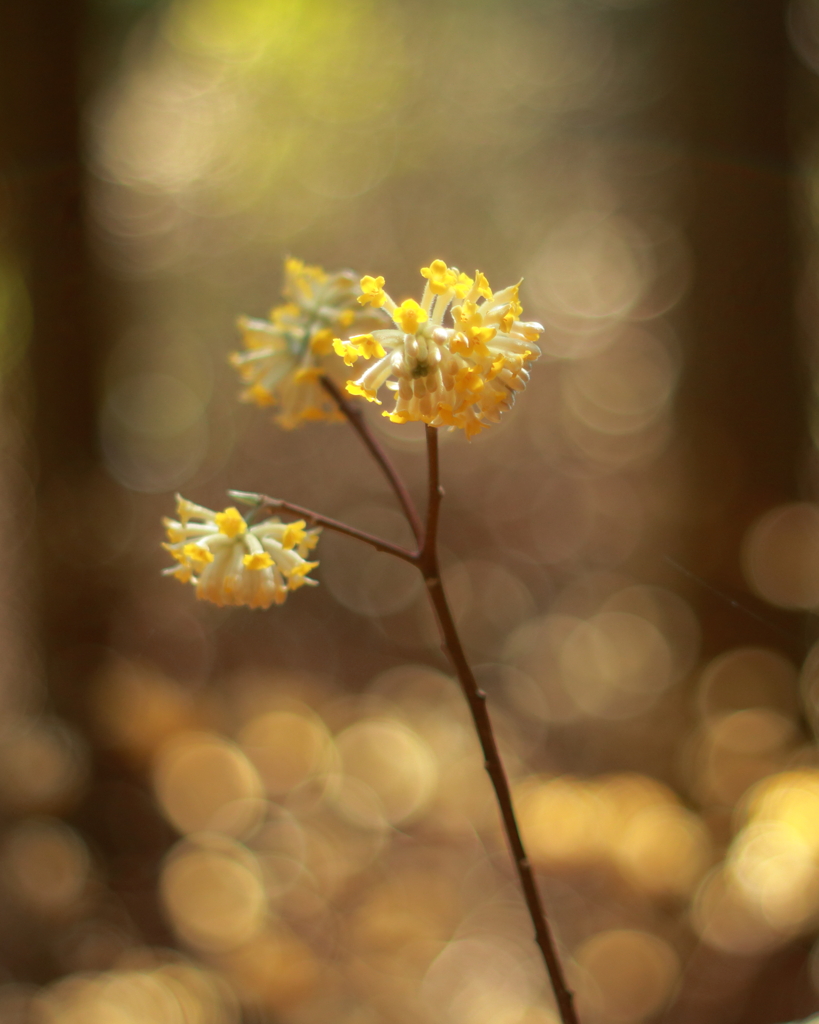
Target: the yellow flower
(372, 291)
(464, 374)
(285, 357)
(440, 277)
(231, 563)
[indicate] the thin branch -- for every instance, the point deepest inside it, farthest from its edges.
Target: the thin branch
(476, 699)
(274, 505)
(434, 495)
(359, 424)
(426, 560)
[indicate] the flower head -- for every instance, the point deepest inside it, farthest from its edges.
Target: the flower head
(232, 563)
(286, 356)
(464, 374)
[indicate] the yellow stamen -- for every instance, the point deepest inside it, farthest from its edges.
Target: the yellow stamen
(450, 418)
(286, 311)
(322, 342)
(258, 560)
(460, 343)
(368, 346)
(231, 523)
(373, 291)
(356, 389)
(483, 285)
(200, 556)
(175, 553)
(463, 285)
(409, 315)
(469, 379)
(440, 277)
(496, 368)
(302, 569)
(348, 352)
(293, 535)
(259, 395)
(309, 542)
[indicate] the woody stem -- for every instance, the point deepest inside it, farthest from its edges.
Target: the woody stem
(476, 699)
(361, 427)
(268, 506)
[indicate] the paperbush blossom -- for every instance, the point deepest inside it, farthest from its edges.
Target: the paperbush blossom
(231, 563)
(286, 356)
(461, 375)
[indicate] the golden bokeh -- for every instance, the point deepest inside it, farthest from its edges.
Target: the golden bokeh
(138, 708)
(289, 749)
(214, 894)
(286, 817)
(204, 783)
(47, 864)
(781, 557)
(747, 677)
(631, 974)
(43, 765)
(172, 993)
(388, 772)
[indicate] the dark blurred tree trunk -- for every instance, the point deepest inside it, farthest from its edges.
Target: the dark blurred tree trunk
(46, 51)
(53, 392)
(743, 400)
(41, 60)
(742, 404)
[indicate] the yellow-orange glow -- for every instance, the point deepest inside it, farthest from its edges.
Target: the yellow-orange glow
(204, 783)
(214, 895)
(631, 973)
(389, 772)
(781, 556)
(287, 748)
(46, 864)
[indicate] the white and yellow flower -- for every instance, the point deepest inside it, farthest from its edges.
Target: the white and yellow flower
(232, 563)
(461, 375)
(286, 356)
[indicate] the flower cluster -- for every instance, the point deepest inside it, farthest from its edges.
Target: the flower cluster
(286, 356)
(464, 375)
(231, 563)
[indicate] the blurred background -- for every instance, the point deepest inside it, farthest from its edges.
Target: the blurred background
(215, 816)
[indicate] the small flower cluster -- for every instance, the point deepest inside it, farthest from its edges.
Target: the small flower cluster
(231, 563)
(464, 375)
(286, 356)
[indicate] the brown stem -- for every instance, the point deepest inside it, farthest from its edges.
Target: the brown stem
(359, 424)
(273, 505)
(476, 698)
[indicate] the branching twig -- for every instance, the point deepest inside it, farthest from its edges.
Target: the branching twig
(359, 425)
(426, 560)
(271, 506)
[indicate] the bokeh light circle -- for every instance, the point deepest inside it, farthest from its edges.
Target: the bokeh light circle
(391, 770)
(781, 556)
